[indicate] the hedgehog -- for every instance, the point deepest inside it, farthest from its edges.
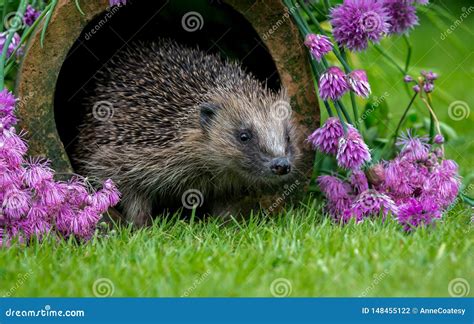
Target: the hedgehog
(165, 120)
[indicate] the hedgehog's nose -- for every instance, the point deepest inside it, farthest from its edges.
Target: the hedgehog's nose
(280, 166)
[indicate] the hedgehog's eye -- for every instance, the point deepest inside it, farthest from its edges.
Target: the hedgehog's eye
(245, 136)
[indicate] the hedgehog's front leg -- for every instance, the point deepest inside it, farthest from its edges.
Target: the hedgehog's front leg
(138, 209)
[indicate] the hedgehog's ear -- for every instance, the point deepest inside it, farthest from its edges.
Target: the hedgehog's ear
(207, 112)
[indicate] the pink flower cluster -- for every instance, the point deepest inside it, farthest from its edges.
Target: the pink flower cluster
(350, 149)
(334, 83)
(356, 22)
(415, 187)
(32, 203)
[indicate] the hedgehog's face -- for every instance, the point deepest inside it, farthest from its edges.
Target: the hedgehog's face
(254, 141)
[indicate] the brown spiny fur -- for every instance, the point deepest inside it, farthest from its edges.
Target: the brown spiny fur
(155, 145)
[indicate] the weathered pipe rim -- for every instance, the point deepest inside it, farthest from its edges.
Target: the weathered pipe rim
(40, 67)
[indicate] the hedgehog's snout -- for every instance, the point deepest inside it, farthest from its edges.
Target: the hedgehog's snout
(280, 166)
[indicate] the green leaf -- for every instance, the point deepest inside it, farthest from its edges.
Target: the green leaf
(466, 199)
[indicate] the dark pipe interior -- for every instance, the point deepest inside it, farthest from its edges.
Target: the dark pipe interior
(223, 30)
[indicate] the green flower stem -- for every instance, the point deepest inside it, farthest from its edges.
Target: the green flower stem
(322, 32)
(404, 115)
(389, 58)
(327, 6)
(434, 122)
(47, 20)
(339, 114)
(315, 67)
(328, 108)
(340, 105)
(11, 60)
(355, 110)
(409, 50)
(20, 12)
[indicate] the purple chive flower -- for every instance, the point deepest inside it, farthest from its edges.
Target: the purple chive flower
(428, 87)
(36, 174)
(429, 76)
(359, 181)
(319, 45)
(332, 84)
(359, 83)
(117, 2)
(407, 79)
(402, 15)
(326, 138)
(416, 88)
(414, 148)
(7, 106)
(338, 194)
(438, 139)
(416, 213)
(443, 184)
(356, 22)
(15, 42)
(30, 16)
(15, 203)
(352, 152)
(370, 203)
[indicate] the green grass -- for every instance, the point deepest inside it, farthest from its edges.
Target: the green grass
(318, 258)
(174, 258)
